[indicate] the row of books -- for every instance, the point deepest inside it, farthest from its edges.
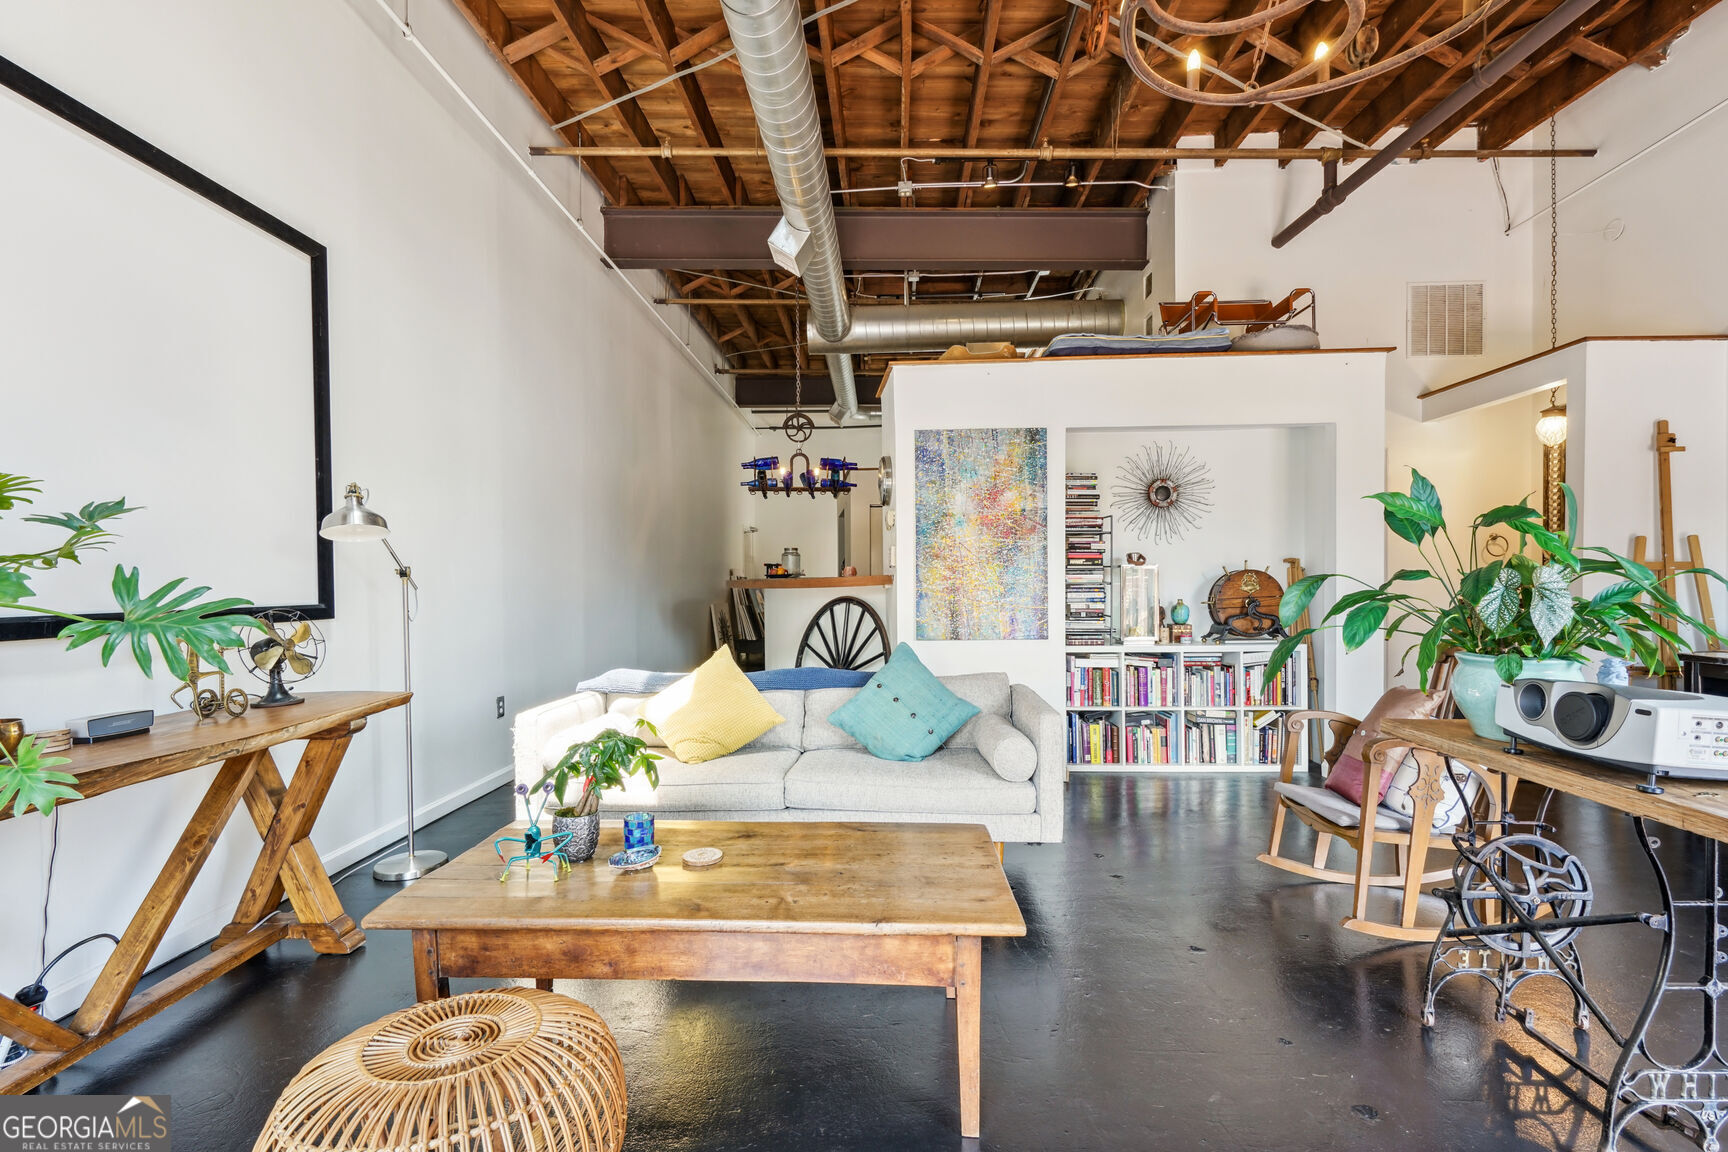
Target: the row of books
(1149, 684)
(1268, 742)
(1092, 683)
(1260, 692)
(1080, 492)
(1208, 683)
(1086, 560)
(1210, 740)
(1093, 740)
(1150, 739)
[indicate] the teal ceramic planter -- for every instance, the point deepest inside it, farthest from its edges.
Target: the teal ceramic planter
(1476, 685)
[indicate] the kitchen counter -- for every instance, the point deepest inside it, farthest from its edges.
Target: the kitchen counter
(815, 582)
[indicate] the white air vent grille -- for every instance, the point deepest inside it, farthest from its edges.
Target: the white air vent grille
(1446, 319)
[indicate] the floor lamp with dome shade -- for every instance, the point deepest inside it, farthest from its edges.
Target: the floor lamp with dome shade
(351, 523)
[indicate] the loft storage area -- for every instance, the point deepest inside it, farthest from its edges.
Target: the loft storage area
(611, 575)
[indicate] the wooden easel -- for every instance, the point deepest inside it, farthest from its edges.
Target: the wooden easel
(1667, 567)
(1292, 573)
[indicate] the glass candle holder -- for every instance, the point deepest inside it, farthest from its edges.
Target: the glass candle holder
(638, 830)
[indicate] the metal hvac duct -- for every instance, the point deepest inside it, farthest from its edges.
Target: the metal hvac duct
(769, 38)
(934, 327)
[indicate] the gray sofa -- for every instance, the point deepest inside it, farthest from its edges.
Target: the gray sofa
(807, 769)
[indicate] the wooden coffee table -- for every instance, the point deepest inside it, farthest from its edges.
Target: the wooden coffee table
(825, 903)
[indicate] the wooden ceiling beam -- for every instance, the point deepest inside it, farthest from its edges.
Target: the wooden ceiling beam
(1598, 54)
(1051, 100)
(665, 36)
(1644, 28)
(1530, 71)
(1423, 80)
(836, 100)
(526, 46)
(883, 61)
(980, 91)
(1399, 26)
(959, 44)
(858, 45)
(585, 38)
(930, 59)
(640, 46)
(1105, 134)
(1031, 40)
(493, 27)
(698, 42)
(907, 23)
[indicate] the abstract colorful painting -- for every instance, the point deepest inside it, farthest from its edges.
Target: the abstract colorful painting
(982, 565)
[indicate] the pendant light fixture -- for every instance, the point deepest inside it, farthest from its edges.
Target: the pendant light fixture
(1551, 427)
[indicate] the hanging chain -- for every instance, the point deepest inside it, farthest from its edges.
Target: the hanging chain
(1553, 237)
(798, 355)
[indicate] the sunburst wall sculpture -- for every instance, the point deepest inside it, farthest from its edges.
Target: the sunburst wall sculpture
(1162, 491)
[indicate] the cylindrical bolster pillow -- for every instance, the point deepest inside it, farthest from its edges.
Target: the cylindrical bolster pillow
(1005, 748)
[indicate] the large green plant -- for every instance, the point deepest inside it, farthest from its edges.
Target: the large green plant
(1514, 609)
(164, 619)
(601, 763)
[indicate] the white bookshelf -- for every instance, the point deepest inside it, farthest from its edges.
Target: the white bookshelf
(1206, 698)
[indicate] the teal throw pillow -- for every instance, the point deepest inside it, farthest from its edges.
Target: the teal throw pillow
(904, 712)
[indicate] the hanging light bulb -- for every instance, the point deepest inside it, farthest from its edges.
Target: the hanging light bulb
(1323, 57)
(1195, 64)
(1551, 427)
(989, 176)
(1073, 180)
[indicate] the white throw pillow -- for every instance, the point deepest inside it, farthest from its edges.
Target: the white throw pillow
(1449, 810)
(1004, 747)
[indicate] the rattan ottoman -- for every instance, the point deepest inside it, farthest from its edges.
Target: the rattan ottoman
(505, 1069)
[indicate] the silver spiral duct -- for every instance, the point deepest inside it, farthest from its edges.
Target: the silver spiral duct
(934, 327)
(769, 38)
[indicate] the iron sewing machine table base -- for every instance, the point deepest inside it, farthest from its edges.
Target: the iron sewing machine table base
(1520, 900)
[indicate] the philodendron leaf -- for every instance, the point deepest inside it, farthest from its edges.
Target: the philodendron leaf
(1362, 623)
(1499, 605)
(28, 780)
(14, 586)
(1428, 652)
(1298, 596)
(1410, 509)
(1551, 601)
(1620, 593)
(1423, 492)
(1509, 665)
(1505, 514)
(1477, 581)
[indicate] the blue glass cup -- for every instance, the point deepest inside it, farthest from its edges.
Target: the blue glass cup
(638, 830)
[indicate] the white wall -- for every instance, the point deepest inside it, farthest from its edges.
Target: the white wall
(1643, 246)
(543, 447)
(798, 521)
(1260, 512)
(1334, 399)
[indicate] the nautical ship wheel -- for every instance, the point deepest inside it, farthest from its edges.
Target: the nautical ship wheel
(846, 633)
(1543, 878)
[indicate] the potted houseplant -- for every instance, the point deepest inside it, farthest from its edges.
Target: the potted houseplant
(165, 618)
(598, 764)
(1503, 618)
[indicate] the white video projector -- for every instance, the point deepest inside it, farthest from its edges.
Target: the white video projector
(1647, 730)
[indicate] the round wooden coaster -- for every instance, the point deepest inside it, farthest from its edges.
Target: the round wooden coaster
(702, 857)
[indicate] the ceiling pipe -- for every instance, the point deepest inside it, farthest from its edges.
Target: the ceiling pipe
(1052, 152)
(768, 36)
(936, 327)
(1337, 191)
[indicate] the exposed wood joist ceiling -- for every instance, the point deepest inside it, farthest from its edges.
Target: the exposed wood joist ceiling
(927, 74)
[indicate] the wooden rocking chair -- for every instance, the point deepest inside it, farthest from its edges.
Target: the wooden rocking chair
(1370, 824)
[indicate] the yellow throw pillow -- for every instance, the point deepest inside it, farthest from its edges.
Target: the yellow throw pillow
(710, 713)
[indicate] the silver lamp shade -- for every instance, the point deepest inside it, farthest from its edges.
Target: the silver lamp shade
(353, 521)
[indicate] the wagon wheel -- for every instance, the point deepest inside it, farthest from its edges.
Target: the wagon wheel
(236, 702)
(845, 633)
(206, 702)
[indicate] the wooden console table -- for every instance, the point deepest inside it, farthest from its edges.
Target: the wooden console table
(287, 864)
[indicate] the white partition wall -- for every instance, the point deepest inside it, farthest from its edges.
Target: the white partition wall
(1333, 401)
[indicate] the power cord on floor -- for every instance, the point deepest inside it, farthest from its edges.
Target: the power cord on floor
(35, 994)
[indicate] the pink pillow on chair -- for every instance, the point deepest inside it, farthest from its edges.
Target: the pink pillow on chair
(1349, 774)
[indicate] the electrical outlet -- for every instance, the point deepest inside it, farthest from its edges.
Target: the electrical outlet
(500, 707)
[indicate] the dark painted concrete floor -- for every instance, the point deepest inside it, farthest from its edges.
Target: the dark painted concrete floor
(1172, 993)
